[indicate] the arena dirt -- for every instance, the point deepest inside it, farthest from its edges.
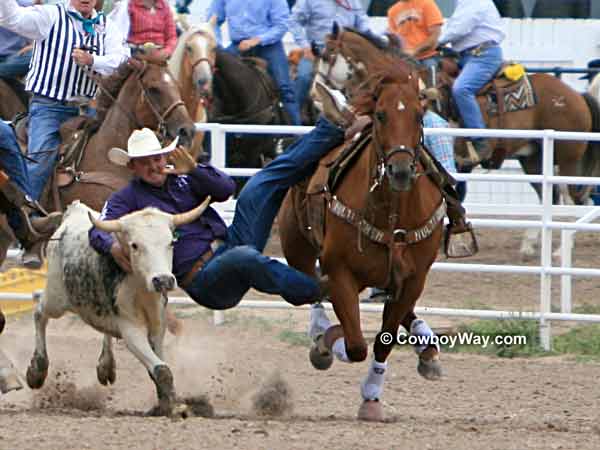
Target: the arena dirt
(481, 403)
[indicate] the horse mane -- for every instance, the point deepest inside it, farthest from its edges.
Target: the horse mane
(177, 56)
(111, 85)
(388, 47)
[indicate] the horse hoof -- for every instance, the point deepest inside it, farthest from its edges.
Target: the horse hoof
(9, 381)
(371, 411)
(181, 411)
(37, 372)
(430, 369)
(2, 322)
(320, 361)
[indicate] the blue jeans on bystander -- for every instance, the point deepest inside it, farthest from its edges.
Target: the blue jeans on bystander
(239, 264)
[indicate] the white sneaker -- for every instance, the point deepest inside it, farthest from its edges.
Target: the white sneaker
(319, 322)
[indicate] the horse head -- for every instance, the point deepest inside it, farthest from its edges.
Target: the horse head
(195, 57)
(392, 100)
(150, 97)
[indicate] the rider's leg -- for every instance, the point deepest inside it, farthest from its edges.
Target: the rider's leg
(261, 197)
(304, 78)
(279, 69)
(476, 71)
(45, 119)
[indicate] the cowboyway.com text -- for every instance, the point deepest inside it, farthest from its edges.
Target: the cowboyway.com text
(451, 341)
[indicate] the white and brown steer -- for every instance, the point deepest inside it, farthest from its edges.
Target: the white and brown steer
(121, 305)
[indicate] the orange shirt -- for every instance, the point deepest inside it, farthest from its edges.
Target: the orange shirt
(411, 22)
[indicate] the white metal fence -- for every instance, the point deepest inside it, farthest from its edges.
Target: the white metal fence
(546, 211)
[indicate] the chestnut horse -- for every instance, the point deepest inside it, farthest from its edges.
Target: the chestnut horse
(382, 227)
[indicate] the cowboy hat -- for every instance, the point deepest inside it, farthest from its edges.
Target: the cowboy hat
(141, 143)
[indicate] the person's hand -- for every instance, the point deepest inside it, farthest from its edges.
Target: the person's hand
(120, 257)
(82, 58)
(182, 161)
(247, 44)
(308, 54)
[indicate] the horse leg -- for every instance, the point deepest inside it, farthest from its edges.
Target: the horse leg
(394, 313)
(429, 366)
(346, 340)
(106, 370)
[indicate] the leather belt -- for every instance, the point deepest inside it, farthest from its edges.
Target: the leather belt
(199, 264)
(476, 50)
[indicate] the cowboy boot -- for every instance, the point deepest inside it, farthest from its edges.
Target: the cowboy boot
(333, 105)
(44, 227)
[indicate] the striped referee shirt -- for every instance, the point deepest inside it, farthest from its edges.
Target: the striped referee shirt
(52, 72)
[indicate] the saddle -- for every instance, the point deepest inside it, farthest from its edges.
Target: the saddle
(510, 90)
(75, 133)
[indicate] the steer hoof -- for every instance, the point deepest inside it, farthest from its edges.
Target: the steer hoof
(37, 372)
(320, 359)
(371, 411)
(429, 366)
(9, 381)
(106, 373)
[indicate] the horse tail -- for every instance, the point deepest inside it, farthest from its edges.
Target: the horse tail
(590, 163)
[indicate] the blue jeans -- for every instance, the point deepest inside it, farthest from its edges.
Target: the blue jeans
(278, 68)
(239, 264)
(15, 66)
(475, 72)
(432, 61)
(14, 165)
(303, 81)
(45, 118)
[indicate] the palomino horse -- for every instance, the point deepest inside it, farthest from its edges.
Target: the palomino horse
(558, 107)
(192, 64)
(10, 103)
(382, 226)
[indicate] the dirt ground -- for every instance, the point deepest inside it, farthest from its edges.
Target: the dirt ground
(481, 403)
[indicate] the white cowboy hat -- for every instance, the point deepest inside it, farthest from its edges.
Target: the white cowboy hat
(141, 143)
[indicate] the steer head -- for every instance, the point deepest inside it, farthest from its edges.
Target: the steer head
(147, 236)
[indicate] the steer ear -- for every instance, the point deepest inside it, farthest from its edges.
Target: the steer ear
(190, 216)
(109, 226)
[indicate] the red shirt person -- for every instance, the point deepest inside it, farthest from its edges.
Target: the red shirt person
(147, 21)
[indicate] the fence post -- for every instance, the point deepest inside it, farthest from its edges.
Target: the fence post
(218, 159)
(546, 247)
(566, 257)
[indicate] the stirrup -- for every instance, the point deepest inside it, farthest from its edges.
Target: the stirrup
(460, 244)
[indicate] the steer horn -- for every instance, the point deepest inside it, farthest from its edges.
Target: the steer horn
(191, 215)
(106, 225)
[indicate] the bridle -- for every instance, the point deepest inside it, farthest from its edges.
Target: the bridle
(205, 97)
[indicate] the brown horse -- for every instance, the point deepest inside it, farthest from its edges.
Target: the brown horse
(558, 107)
(192, 64)
(382, 227)
(10, 103)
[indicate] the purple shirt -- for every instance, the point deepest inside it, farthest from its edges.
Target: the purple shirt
(180, 193)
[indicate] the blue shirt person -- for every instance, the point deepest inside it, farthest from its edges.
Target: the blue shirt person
(15, 53)
(256, 28)
(475, 31)
(311, 21)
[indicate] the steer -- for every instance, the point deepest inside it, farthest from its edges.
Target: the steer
(121, 305)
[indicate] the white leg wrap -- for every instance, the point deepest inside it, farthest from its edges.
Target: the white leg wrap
(339, 350)
(319, 322)
(420, 328)
(372, 386)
